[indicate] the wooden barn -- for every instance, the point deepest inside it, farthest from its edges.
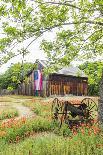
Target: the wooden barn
(67, 81)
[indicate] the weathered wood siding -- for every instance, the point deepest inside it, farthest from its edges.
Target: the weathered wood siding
(55, 85)
(62, 85)
(27, 86)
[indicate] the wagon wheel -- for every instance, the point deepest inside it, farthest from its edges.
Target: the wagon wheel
(91, 109)
(57, 110)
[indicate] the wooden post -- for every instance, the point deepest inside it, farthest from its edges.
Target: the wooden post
(44, 88)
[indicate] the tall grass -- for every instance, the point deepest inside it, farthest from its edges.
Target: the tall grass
(42, 109)
(8, 113)
(53, 145)
(15, 130)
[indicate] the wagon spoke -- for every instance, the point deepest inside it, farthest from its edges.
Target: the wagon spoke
(88, 102)
(57, 111)
(91, 108)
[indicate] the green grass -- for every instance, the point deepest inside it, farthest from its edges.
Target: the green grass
(41, 136)
(7, 113)
(42, 109)
(23, 97)
(19, 129)
(5, 99)
(51, 144)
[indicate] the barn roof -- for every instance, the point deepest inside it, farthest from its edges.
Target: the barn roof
(70, 70)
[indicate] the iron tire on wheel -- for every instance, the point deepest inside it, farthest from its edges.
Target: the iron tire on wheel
(57, 110)
(91, 108)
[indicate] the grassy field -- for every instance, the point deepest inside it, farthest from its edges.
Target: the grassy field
(40, 135)
(7, 112)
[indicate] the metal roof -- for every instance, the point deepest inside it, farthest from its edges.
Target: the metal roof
(73, 71)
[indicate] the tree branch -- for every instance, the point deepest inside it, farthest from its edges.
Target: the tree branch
(49, 28)
(92, 34)
(95, 23)
(60, 3)
(33, 41)
(98, 39)
(74, 23)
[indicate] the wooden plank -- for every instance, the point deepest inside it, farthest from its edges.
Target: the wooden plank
(59, 88)
(50, 87)
(56, 88)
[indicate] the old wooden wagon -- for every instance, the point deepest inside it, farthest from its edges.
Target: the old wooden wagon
(68, 80)
(86, 111)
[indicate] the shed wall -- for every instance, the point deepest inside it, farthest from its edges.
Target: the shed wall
(55, 85)
(62, 85)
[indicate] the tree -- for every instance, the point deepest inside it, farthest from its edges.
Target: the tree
(100, 109)
(28, 19)
(13, 76)
(94, 72)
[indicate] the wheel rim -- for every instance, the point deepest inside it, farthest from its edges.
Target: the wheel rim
(57, 110)
(92, 108)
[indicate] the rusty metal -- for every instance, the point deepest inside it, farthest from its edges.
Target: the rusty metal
(65, 111)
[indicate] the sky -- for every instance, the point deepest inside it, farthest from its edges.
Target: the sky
(35, 53)
(34, 49)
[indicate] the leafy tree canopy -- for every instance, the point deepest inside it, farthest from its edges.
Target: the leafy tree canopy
(13, 76)
(78, 25)
(94, 72)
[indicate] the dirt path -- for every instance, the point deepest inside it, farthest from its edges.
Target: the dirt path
(17, 103)
(23, 111)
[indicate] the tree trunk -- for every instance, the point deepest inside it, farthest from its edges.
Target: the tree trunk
(100, 108)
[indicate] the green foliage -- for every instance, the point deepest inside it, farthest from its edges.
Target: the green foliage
(73, 40)
(55, 145)
(10, 88)
(78, 26)
(13, 76)
(63, 131)
(94, 72)
(39, 108)
(21, 127)
(8, 113)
